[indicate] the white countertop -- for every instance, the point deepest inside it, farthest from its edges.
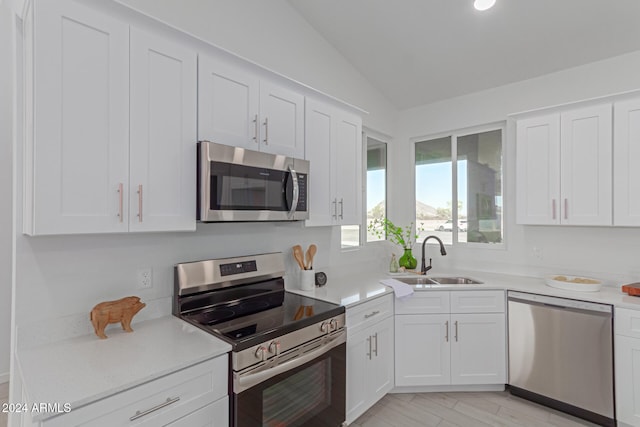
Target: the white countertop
(349, 290)
(85, 369)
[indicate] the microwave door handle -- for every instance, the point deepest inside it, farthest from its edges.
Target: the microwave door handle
(296, 192)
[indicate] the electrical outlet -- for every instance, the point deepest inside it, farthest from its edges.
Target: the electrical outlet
(537, 252)
(144, 278)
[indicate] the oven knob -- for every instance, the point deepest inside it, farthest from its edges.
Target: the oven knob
(324, 327)
(261, 353)
(274, 347)
(333, 325)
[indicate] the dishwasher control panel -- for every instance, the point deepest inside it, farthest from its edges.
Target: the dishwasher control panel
(560, 302)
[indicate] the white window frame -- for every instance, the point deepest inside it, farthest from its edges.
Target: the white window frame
(454, 135)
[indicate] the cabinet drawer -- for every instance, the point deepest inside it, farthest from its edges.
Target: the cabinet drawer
(423, 303)
(167, 399)
(477, 302)
(370, 312)
(627, 322)
(213, 415)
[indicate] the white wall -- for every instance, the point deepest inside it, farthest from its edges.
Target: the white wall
(610, 253)
(64, 276)
(5, 190)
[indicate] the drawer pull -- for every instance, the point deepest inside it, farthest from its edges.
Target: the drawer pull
(140, 414)
(373, 313)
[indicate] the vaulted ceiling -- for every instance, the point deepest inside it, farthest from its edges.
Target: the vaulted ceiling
(420, 51)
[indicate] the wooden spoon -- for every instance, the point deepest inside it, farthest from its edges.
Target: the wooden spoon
(299, 256)
(311, 252)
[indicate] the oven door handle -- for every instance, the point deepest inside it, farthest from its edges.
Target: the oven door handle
(296, 192)
(242, 382)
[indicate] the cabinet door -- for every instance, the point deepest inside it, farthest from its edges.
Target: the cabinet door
(627, 365)
(422, 353)
(319, 135)
(282, 116)
(586, 176)
(348, 173)
(626, 152)
(227, 104)
(381, 372)
(81, 112)
(358, 362)
(478, 349)
(163, 135)
(538, 170)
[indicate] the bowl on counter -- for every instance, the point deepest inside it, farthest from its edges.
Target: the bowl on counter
(573, 283)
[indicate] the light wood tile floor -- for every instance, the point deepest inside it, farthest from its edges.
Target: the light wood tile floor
(4, 397)
(472, 409)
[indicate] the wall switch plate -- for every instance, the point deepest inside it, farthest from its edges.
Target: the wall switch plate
(144, 278)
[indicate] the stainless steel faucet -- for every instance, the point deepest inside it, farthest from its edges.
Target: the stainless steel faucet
(424, 268)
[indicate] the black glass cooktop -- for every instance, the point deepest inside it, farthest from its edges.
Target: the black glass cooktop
(255, 316)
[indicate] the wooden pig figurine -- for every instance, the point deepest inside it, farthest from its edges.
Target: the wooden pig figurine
(121, 311)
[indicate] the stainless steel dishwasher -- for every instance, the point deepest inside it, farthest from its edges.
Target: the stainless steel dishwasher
(561, 354)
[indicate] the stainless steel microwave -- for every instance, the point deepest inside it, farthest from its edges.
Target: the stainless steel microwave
(237, 184)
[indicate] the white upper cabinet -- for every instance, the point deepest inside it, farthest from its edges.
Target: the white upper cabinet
(227, 104)
(334, 148)
(78, 148)
(538, 169)
(162, 180)
(564, 167)
(586, 155)
(626, 173)
(111, 127)
(238, 108)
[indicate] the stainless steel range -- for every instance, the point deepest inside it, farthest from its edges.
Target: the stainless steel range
(289, 351)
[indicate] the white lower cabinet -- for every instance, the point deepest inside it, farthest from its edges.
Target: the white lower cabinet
(461, 340)
(627, 366)
(369, 354)
(195, 396)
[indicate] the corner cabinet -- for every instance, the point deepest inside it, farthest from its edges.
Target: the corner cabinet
(450, 338)
(564, 167)
(334, 148)
(626, 152)
(110, 125)
(237, 107)
(370, 344)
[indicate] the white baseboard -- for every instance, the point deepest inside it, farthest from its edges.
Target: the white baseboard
(4, 378)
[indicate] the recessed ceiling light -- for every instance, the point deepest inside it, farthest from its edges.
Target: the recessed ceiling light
(483, 4)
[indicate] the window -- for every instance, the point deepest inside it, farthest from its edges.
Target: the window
(376, 183)
(375, 194)
(466, 167)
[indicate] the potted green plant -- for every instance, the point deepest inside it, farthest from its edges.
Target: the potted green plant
(401, 236)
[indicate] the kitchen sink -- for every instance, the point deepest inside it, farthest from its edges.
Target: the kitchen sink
(455, 281)
(417, 280)
(423, 280)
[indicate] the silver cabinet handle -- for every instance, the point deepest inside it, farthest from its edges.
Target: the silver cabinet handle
(375, 349)
(566, 208)
(373, 313)
(335, 208)
(120, 190)
(266, 130)
(369, 353)
(255, 128)
(456, 324)
(140, 414)
(140, 203)
(553, 209)
(446, 331)
(341, 208)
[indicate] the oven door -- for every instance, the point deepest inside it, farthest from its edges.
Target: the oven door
(303, 389)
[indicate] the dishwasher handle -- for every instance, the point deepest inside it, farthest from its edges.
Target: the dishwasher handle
(560, 303)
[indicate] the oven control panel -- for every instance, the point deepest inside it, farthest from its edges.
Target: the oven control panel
(238, 268)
